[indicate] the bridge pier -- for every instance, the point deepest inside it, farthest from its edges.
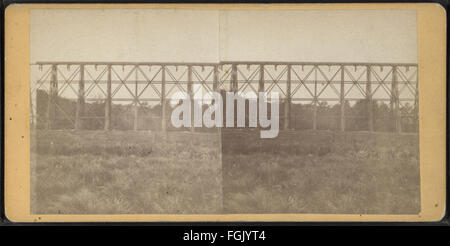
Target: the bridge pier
(342, 99)
(287, 104)
(260, 87)
(108, 100)
(396, 114)
(215, 86)
(315, 101)
(136, 116)
(136, 101)
(416, 106)
(191, 97)
(52, 98)
(163, 98)
(80, 102)
(369, 100)
(234, 82)
(314, 115)
(215, 78)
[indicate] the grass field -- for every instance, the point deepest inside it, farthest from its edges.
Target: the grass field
(320, 172)
(93, 172)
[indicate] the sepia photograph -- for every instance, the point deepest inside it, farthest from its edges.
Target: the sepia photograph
(224, 111)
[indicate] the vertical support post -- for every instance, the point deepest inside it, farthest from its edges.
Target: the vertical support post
(260, 86)
(315, 100)
(342, 98)
(52, 98)
(234, 83)
(136, 116)
(416, 104)
(397, 106)
(215, 84)
(136, 100)
(369, 99)
(191, 96)
(261, 79)
(163, 98)
(108, 100)
(81, 101)
(395, 101)
(287, 104)
(215, 77)
(392, 100)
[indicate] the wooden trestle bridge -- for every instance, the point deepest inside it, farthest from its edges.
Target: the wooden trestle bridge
(139, 83)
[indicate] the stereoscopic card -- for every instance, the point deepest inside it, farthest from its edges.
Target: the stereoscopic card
(241, 112)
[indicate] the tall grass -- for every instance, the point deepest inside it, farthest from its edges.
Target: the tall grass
(320, 172)
(93, 172)
(96, 172)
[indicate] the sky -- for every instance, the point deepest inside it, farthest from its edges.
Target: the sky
(223, 35)
(175, 35)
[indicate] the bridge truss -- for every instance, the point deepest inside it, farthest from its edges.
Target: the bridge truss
(143, 83)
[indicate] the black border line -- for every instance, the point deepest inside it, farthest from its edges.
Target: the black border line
(176, 226)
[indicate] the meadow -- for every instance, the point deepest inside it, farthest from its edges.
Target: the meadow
(98, 172)
(320, 172)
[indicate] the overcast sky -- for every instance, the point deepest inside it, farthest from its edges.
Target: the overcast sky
(213, 35)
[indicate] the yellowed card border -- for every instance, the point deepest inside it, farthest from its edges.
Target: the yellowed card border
(432, 115)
